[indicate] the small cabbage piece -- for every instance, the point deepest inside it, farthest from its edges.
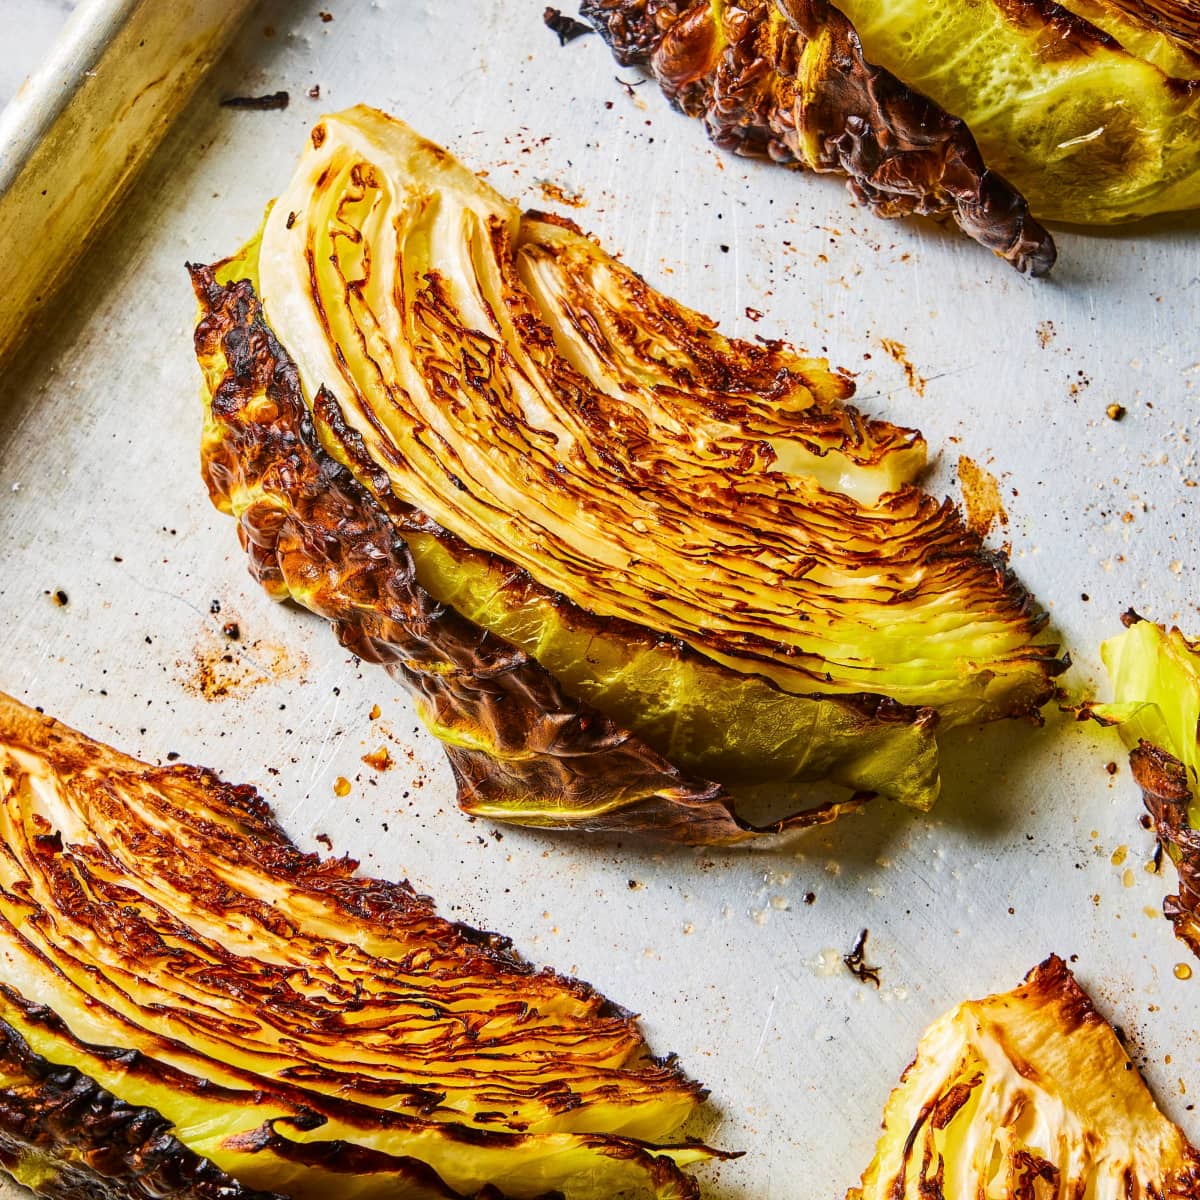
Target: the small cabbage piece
(690, 550)
(1155, 676)
(789, 80)
(192, 1008)
(1090, 107)
(1027, 1094)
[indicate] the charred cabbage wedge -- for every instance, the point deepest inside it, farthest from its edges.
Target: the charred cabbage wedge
(1022, 1095)
(1090, 107)
(789, 80)
(1088, 110)
(1155, 676)
(192, 1008)
(625, 563)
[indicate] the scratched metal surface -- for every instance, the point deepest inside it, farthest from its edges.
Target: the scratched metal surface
(100, 498)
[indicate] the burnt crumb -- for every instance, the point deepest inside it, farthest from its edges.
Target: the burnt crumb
(1084, 597)
(325, 841)
(855, 964)
(326, 17)
(262, 103)
(173, 756)
(1111, 768)
(231, 630)
(810, 897)
(1130, 617)
(753, 314)
(291, 219)
(314, 92)
(724, 248)
(215, 607)
(1114, 412)
(567, 28)
(61, 598)
(634, 885)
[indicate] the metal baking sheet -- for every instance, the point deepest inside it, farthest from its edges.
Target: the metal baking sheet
(74, 135)
(1034, 847)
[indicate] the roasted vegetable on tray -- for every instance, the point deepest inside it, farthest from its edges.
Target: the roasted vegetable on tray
(788, 80)
(1028, 1094)
(1155, 676)
(1091, 108)
(1088, 110)
(192, 1008)
(626, 564)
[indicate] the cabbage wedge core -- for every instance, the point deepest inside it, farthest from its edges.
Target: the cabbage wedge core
(1028, 1094)
(221, 1013)
(697, 539)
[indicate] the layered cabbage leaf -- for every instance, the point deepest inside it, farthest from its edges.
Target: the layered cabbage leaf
(1155, 677)
(695, 539)
(1027, 1094)
(191, 1007)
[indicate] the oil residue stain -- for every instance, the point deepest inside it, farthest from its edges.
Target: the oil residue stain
(981, 497)
(559, 195)
(220, 671)
(899, 352)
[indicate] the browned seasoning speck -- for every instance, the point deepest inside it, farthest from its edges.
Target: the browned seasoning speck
(380, 759)
(264, 103)
(291, 219)
(855, 964)
(567, 28)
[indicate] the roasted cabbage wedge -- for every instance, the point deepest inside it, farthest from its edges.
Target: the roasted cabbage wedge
(1027, 1095)
(626, 563)
(190, 1007)
(1155, 676)
(1090, 107)
(789, 80)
